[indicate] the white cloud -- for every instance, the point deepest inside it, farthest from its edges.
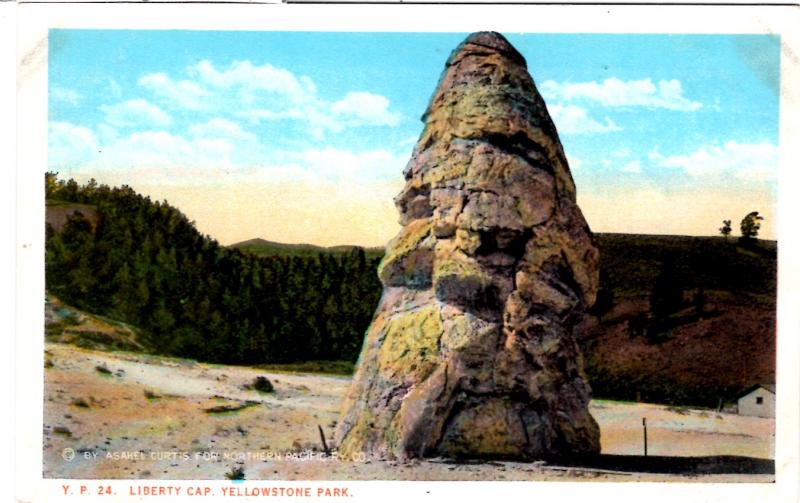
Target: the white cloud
(632, 167)
(69, 145)
(135, 113)
(211, 151)
(180, 94)
(345, 165)
(268, 93)
(220, 128)
(248, 79)
(749, 161)
(258, 114)
(614, 92)
(366, 108)
(168, 157)
(160, 149)
(64, 95)
(571, 119)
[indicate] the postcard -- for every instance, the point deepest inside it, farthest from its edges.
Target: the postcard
(330, 252)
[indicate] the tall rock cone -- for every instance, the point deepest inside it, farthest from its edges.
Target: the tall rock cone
(472, 350)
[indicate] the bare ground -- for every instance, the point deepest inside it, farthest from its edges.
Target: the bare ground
(131, 416)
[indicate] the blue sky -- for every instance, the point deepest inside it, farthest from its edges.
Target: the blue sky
(302, 137)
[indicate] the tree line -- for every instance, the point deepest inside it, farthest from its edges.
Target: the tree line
(749, 227)
(143, 262)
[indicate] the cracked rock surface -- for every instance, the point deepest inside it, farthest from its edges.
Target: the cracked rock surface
(472, 350)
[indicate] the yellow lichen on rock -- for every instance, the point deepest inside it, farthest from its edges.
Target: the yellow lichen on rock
(408, 260)
(410, 349)
(489, 428)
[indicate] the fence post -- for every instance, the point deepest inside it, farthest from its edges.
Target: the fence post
(644, 426)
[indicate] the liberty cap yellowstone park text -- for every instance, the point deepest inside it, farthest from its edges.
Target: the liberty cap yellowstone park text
(202, 490)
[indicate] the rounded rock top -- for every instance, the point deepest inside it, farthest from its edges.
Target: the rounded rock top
(491, 40)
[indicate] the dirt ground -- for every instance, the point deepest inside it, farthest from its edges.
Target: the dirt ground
(132, 416)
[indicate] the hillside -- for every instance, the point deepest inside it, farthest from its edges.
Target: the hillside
(58, 212)
(144, 264)
(700, 361)
(630, 264)
(697, 360)
(719, 340)
(65, 324)
(263, 248)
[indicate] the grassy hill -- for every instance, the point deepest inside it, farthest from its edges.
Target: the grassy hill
(630, 264)
(66, 324)
(696, 359)
(708, 350)
(263, 248)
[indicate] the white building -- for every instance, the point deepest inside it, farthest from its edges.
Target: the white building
(758, 401)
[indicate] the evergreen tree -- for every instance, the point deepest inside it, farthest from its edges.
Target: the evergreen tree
(144, 263)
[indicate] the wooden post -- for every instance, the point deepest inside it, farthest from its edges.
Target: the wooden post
(644, 426)
(324, 443)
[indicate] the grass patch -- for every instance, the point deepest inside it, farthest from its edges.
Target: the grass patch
(678, 410)
(56, 328)
(102, 369)
(55, 203)
(334, 367)
(220, 410)
(610, 401)
(151, 395)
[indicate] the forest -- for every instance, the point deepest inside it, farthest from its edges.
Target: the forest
(144, 262)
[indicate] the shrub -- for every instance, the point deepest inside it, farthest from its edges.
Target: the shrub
(236, 473)
(262, 384)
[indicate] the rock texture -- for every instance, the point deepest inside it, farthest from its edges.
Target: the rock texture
(471, 352)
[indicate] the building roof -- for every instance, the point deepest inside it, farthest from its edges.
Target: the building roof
(768, 387)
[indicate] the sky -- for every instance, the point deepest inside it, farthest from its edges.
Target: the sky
(302, 137)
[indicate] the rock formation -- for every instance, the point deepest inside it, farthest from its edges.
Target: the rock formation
(472, 350)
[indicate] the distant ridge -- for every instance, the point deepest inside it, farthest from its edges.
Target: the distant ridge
(265, 248)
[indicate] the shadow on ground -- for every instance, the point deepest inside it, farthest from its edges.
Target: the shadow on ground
(673, 465)
(700, 465)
